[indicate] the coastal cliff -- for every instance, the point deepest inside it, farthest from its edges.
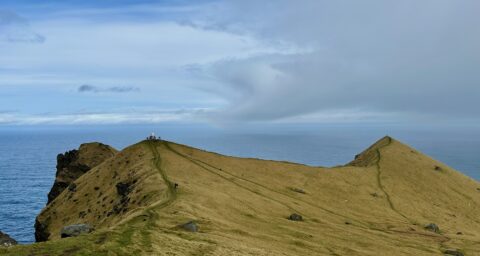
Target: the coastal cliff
(70, 166)
(162, 198)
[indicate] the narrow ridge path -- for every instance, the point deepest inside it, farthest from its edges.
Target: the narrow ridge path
(382, 187)
(157, 163)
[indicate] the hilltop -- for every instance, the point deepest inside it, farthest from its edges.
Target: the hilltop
(390, 200)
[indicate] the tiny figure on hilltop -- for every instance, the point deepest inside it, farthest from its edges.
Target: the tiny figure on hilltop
(153, 137)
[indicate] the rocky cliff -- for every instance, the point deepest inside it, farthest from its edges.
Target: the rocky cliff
(70, 166)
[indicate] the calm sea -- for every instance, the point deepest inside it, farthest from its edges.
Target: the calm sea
(28, 154)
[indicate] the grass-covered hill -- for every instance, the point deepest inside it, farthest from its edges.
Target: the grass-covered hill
(379, 204)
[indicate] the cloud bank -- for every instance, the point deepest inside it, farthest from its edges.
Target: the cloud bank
(410, 58)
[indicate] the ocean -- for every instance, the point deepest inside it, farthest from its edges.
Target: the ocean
(28, 153)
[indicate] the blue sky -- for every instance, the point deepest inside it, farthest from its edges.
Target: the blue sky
(229, 62)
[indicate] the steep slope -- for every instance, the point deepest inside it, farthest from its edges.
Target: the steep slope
(376, 205)
(70, 166)
(105, 194)
(75, 163)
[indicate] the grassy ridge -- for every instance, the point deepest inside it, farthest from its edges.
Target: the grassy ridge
(376, 205)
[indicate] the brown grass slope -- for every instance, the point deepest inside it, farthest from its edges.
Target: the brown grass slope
(376, 205)
(75, 163)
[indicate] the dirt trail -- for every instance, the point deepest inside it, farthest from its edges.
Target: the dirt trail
(157, 163)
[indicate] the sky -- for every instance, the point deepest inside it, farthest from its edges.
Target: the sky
(226, 63)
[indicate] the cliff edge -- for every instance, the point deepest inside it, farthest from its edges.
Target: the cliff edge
(70, 166)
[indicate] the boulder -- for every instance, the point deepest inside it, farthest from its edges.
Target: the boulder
(75, 230)
(432, 227)
(6, 240)
(295, 217)
(453, 252)
(190, 226)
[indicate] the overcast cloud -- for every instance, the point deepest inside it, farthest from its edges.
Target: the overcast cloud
(252, 61)
(414, 58)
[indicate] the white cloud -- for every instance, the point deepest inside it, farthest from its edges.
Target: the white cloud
(136, 117)
(126, 49)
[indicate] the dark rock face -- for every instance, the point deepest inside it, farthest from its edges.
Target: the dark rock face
(68, 170)
(6, 240)
(75, 230)
(295, 217)
(190, 226)
(41, 233)
(453, 252)
(123, 188)
(432, 227)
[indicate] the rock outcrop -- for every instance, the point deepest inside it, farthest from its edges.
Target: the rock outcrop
(70, 166)
(74, 163)
(371, 155)
(6, 240)
(41, 231)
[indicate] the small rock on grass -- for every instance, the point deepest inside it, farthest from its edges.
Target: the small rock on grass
(295, 217)
(432, 227)
(190, 226)
(75, 230)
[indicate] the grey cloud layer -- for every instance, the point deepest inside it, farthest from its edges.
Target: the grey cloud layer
(418, 58)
